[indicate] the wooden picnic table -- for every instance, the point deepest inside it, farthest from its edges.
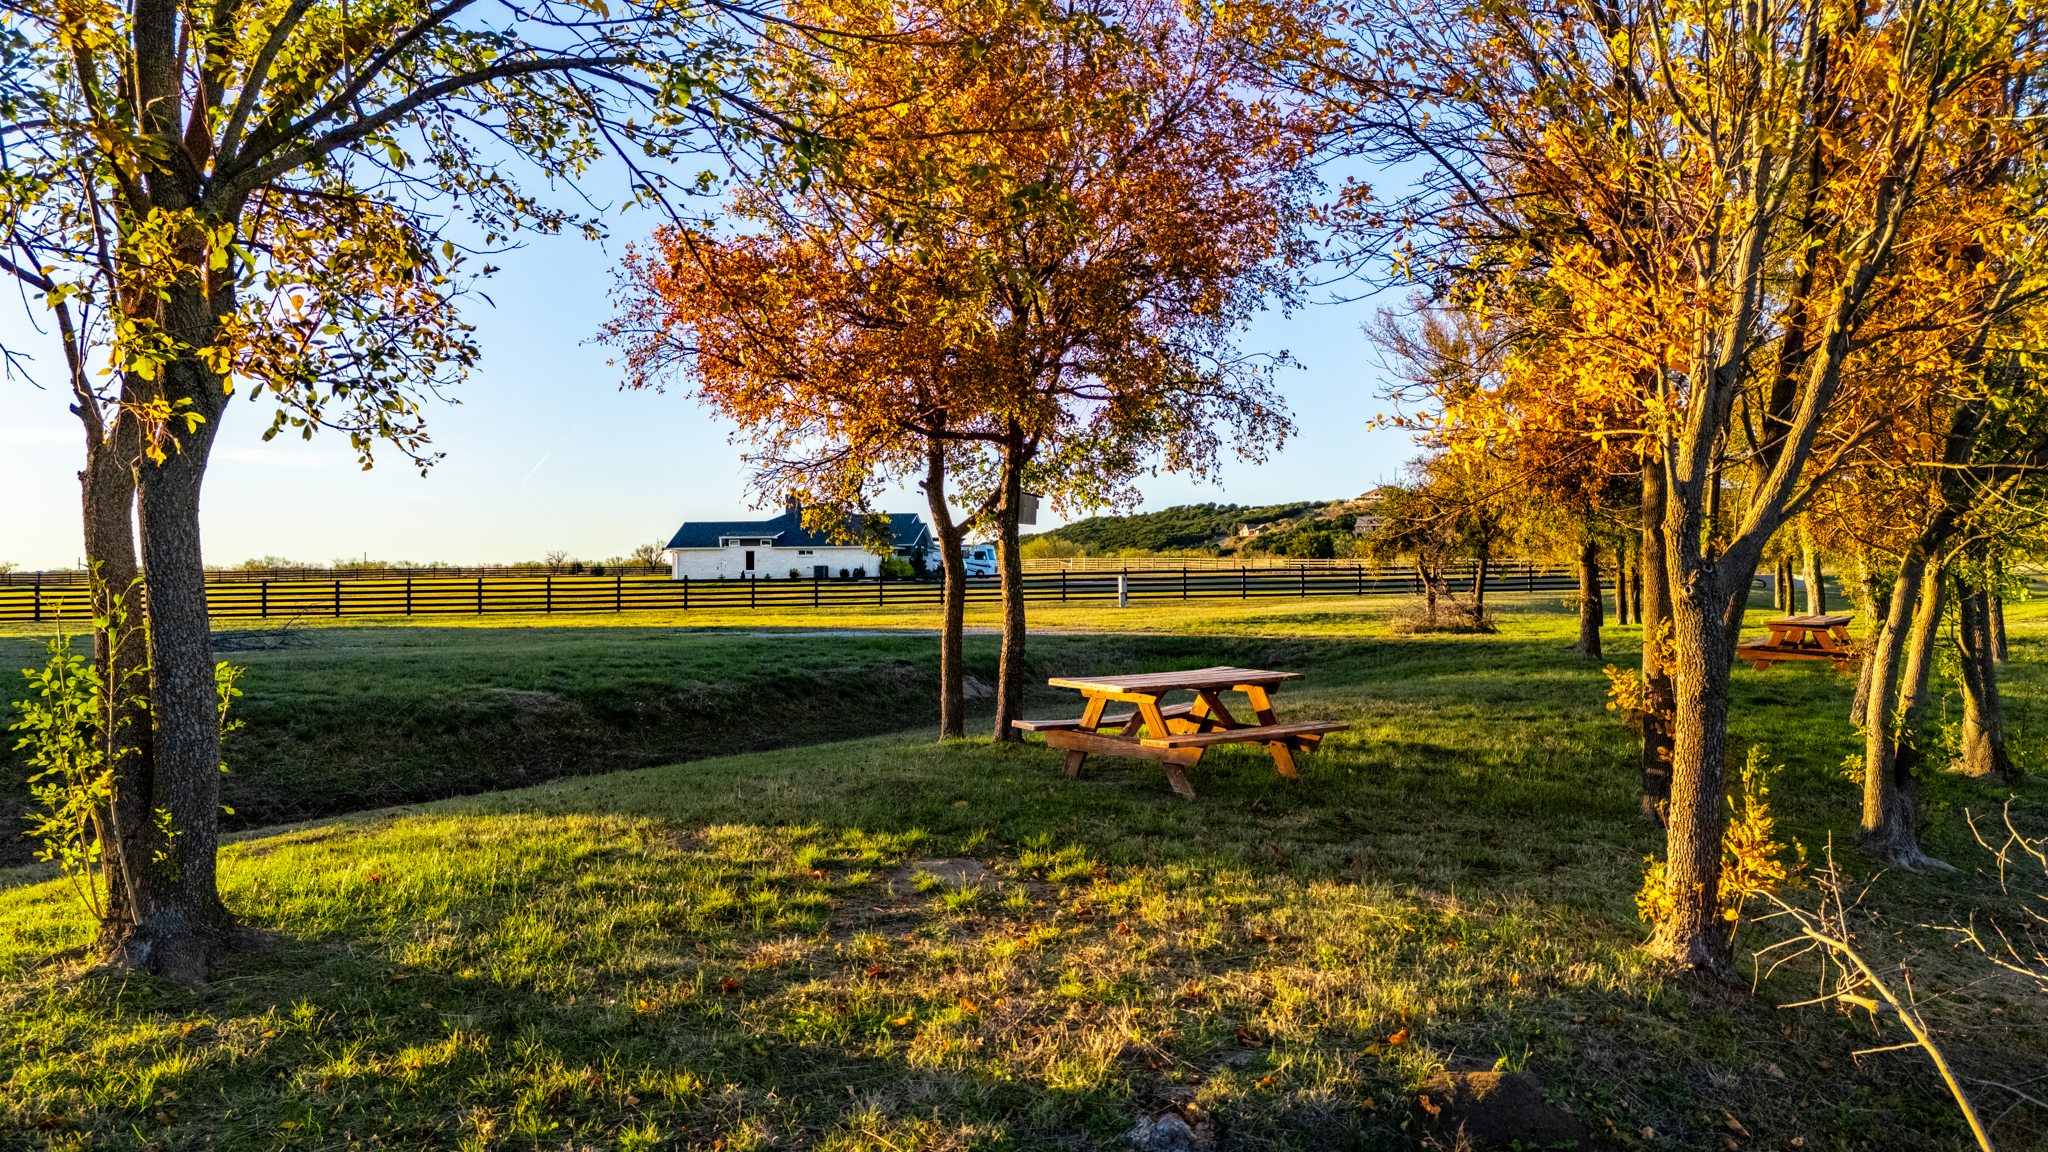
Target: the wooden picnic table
(1802, 638)
(1177, 734)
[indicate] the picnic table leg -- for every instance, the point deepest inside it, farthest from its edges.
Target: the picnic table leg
(1262, 705)
(1175, 763)
(1090, 717)
(1283, 759)
(1211, 706)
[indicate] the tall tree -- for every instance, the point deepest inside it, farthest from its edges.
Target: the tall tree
(254, 194)
(1036, 234)
(1709, 211)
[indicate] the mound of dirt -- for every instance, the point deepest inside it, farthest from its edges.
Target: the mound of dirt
(1483, 1111)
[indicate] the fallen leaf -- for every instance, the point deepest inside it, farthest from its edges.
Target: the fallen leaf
(1432, 1109)
(1799, 1141)
(1371, 1105)
(1776, 1071)
(1649, 1133)
(968, 1007)
(268, 1035)
(1400, 1037)
(1266, 1083)
(376, 877)
(728, 985)
(162, 1118)
(1735, 1125)
(426, 1005)
(289, 1124)
(632, 1101)
(1123, 929)
(1823, 1064)
(1730, 1142)
(900, 1021)
(878, 971)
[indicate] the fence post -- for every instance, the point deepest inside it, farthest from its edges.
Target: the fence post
(880, 598)
(337, 597)
(263, 597)
(618, 591)
(1244, 583)
(39, 596)
(753, 587)
(1063, 585)
(408, 594)
(548, 596)
(1183, 582)
(1304, 580)
(1530, 575)
(686, 593)
(814, 585)
(479, 595)
(1360, 569)
(1123, 589)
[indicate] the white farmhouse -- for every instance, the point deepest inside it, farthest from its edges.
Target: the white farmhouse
(751, 549)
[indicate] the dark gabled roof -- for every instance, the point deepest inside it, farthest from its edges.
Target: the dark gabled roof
(906, 530)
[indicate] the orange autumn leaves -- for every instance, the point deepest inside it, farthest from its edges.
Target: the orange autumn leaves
(1034, 226)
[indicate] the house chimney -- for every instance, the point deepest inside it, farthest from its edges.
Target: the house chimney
(793, 506)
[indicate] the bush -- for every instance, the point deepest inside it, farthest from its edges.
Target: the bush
(843, 573)
(1312, 545)
(860, 573)
(597, 569)
(795, 575)
(894, 568)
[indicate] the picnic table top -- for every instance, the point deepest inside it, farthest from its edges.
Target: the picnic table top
(1808, 621)
(1193, 678)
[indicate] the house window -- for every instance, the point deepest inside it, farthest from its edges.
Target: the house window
(750, 560)
(803, 551)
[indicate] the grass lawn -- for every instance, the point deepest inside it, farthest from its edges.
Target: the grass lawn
(886, 943)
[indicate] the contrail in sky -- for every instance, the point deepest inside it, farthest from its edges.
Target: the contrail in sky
(535, 468)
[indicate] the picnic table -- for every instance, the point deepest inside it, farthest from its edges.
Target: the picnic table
(1177, 734)
(1802, 638)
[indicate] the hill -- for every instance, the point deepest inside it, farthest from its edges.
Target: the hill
(1185, 526)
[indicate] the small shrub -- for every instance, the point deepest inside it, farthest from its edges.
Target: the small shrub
(795, 575)
(843, 574)
(895, 568)
(1753, 859)
(860, 573)
(597, 569)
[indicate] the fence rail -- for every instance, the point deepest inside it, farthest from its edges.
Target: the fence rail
(416, 595)
(329, 575)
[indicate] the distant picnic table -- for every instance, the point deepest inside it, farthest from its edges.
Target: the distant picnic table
(1177, 734)
(1802, 638)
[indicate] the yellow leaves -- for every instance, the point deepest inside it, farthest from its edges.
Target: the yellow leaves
(1753, 861)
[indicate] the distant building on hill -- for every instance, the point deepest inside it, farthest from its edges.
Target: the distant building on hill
(750, 549)
(1367, 523)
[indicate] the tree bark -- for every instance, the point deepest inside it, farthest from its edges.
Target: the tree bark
(1983, 752)
(1695, 936)
(1997, 606)
(1873, 630)
(1897, 703)
(1621, 587)
(1816, 589)
(107, 490)
(952, 672)
(1010, 675)
(1654, 607)
(184, 926)
(1479, 587)
(1592, 609)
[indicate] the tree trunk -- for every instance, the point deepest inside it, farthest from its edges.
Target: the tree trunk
(1654, 606)
(1695, 936)
(1897, 702)
(1479, 588)
(952, 673)
(184, 927)
(1983, 752)
(1621, 587)
(1635, 576)
(1010, 675)
(1816, 588)
(1873, 629)
(1592, 610)
(1997, 605)
(108, 497)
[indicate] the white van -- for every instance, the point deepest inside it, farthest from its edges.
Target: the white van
(980, 559)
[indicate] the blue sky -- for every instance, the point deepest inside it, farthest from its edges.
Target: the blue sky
(545, 452)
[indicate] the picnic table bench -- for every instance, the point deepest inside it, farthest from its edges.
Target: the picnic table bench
(1802, 638)
(1177, 734)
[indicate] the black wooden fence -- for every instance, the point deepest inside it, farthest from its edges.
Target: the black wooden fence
(425, 595)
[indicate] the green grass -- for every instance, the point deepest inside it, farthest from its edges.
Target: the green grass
(765, 949)
(341, 716)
